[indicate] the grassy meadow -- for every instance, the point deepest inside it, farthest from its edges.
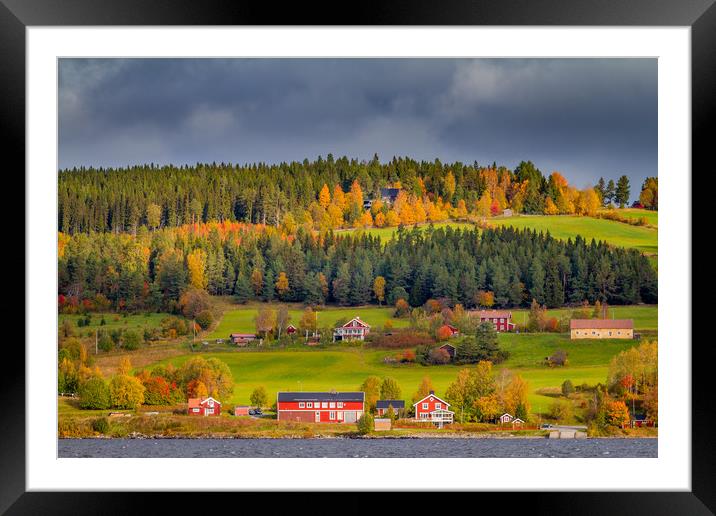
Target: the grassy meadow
(346, 368)
(644, 239)
(240, 319)
(115, 321)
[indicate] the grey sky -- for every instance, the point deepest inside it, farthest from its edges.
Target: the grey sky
(583, 117)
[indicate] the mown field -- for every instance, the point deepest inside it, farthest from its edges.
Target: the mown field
(241, 319)
(346, 368)
(568, 226)
(646, 317)
(115, 321)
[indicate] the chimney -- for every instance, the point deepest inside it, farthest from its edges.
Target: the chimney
(432, 393)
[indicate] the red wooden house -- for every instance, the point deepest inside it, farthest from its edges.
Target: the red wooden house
(433, 409)
(355, 329)
(290, 329)
(502, 319)
(204, 407)
(320, 407)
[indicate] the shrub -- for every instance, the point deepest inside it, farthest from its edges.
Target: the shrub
(561, 410)
(567, 388)
(365, 423)
(402, 308)
(204, 319)
(100, 425)
(94, 394)
(439, 356)
(131, 340)
(105, 342)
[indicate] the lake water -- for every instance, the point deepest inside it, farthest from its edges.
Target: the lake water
(358, 448)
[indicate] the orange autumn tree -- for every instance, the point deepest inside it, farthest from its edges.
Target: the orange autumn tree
(324, 197)
(443, 333)
(282, 284)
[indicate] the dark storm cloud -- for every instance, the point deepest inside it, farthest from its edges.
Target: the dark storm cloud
(583, 117)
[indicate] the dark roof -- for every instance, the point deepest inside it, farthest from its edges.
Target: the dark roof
(321, 396)
(389, 192)
(601, 324)
(397, 404)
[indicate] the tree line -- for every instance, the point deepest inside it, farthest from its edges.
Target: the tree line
(155, 270)
(325, 193)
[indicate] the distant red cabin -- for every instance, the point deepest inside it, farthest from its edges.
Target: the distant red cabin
(204, 407)
(241, 410)
(241, 339)
(355, 329)
(502, 319)
(291, 329)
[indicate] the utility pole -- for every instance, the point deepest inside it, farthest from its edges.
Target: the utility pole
(96, 331)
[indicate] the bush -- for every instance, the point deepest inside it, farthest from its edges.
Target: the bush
(567, 388)
(94, 394)
(365, 423)
(131, 340)
(561, 410)
(204, 319)
(105, 342)
(438, 356)
(100, 425)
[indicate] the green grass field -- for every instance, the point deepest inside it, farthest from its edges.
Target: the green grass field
(115, 321)
(636, 213)
(567, 226)
(241, 319)
(646, 317)
(345, 369)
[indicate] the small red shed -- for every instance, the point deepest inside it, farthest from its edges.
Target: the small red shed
(291, 329)
(241, 410)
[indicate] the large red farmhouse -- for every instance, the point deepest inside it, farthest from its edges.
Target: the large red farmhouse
(204, 407)
(433, 409)
(320, 407)
(502, 319)
(355, 329)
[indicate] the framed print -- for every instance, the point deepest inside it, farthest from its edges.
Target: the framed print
(334, 258)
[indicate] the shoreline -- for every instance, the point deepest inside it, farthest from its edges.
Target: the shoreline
(138, 436)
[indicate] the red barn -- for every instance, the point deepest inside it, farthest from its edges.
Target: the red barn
(320, 407)
(355, 329)
(241, 339)
(433, 409)
(502, 319)
(204, 407)
(290, 329)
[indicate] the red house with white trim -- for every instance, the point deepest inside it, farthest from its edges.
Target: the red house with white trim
(320, 407)
(290, 329)
(502, 319)
(434, 410)
(204, 407)
(355, 329)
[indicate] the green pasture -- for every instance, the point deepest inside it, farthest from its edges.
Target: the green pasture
(568, 226)
(242, 318)
(645, 316)
(115, 321)
(651, 216)
(345, 369)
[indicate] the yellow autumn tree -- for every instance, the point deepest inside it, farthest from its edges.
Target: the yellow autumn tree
(379, 289)
(392, 219)
(196, 263)
(379, 220)
(550, 208)
(324, 197)
(257, 281)
(339, 197)
(282, 284)
(365, 220)
(356, 193)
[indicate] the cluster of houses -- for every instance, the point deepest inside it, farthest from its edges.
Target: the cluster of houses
(357, 329)
(342, 407)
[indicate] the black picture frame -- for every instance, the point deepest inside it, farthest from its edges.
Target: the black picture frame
(16, 15)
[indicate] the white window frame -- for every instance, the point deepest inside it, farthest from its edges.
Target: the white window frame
(332, 415)
(332, 404)
(324, 404)
(438, 406)
(301, 404)
(425, 406)
(340, 404)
